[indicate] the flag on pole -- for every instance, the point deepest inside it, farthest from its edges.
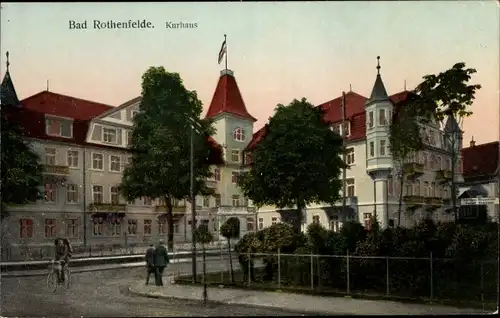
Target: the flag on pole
(222, 51)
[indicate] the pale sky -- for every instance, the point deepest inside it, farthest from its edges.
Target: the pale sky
(278, 51)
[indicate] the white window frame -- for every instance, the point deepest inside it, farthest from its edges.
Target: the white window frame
(251, 220)
(350, 156)
(233, 174)
(105, 134)
(129, 137)
(206, 201)
(54, 189)
(102, 161)
(336, 128)
(52, 154)
(115, 192)
(382, 147)
(371, 149)
(350, 184)
(366, 219)
(239, 134)
(261, 223)
(347, 126)
(133, 113)
(236, 155)
(94, 192)
(132, 227)
(119, 162)
(72, 189)
(316, 219)
(148, 224)
(235, 199)
(72, 228)
(71, 159)
(274, 220)
(48, 121)
(382, 122)
(98, 227)
(371, 119)
(335, 224)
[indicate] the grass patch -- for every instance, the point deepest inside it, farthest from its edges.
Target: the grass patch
(223, 279)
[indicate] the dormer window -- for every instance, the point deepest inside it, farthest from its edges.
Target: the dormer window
(337, 128)
(109, 135)
(59, 127)
(239, 134)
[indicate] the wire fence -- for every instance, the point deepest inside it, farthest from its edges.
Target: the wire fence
(408, 277)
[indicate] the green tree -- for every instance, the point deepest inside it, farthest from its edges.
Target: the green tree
(203, 236)
(169, 116)
(404, 140)
(298, 161)
(449, 95)
(230, 230)
(21, 170)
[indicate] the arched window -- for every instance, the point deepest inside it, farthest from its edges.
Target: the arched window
(239, 134)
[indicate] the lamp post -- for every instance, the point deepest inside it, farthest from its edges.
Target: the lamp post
(193, 206)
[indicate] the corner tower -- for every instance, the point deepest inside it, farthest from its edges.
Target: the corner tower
(378, 110)
(233, 122)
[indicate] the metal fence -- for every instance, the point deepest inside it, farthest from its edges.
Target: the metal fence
(408, 277)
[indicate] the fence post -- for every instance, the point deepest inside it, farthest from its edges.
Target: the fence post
(432, 278)
(279, 268)
(348, 274)
(249, 269)
(312, 271)
(387, 275)
(482, 285)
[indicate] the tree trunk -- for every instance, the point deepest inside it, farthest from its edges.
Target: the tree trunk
(401, 184)
(453, 184)
(170, 223)
(230, 259)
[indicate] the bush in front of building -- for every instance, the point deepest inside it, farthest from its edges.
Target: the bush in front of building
(461, 258)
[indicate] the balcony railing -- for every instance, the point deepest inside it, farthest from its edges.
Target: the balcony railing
(211, 183)
(175, 209)
(443, 175)
(413, 200)
(107, 207)
(413, 168)
(56, 170)
(433, 201)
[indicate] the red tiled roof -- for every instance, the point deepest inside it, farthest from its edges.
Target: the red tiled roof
(66, 106)
(227, 99)
(481, 160)
(32, 118)
(355, 114)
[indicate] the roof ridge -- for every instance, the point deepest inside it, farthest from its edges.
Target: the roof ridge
(67, 96)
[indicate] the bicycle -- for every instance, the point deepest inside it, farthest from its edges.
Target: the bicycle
(53, 276)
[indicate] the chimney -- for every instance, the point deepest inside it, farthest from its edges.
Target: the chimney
(472, 142)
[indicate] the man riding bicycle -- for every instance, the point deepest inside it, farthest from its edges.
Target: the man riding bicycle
(62, 253)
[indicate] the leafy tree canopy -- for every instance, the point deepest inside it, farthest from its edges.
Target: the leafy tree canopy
(404, 136)
(161, 140)
(298, 161)
(449, 92)
(21, 170)
(203, 235)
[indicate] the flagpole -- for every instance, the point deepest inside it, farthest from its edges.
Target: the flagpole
(225, 55)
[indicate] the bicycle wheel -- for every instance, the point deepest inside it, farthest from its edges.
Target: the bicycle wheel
(67, 278)
(52, 282)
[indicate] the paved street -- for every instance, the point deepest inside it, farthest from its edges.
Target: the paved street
(103, 293)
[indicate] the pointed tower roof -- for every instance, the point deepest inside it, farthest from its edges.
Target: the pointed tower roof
(227, 98)
(8, 95)
(378, 92)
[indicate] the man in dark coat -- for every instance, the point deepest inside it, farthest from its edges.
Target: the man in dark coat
(150, 262)
(160, 261)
